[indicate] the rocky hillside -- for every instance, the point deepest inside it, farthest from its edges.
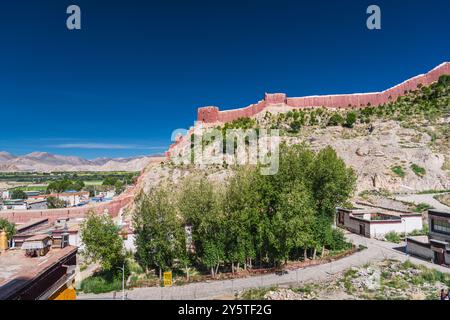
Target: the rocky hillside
(402, 146)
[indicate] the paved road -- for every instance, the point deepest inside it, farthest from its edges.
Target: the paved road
(376, 251)
(423, 198)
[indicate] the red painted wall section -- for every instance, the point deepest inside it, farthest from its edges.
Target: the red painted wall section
(275, 98)
(23, 216)
(212, 114)
(208, 114)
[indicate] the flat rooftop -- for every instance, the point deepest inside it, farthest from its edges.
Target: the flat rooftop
(420, 239)
(16, 269)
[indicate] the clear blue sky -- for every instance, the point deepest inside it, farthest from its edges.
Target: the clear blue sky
(140, 69)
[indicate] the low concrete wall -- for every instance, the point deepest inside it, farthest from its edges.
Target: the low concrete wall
(420, 250)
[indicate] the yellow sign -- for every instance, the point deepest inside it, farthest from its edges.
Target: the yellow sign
(65, 293)
(168, 279)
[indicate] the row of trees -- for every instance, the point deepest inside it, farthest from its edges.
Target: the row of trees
(118, 184)
(252, 220)
(63, 185)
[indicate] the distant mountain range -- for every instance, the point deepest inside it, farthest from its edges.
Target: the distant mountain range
(47, 162)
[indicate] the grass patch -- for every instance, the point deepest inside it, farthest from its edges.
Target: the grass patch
(306, 289)
(433, 191)
(101, 283)
(396, 282)
(421, 207)
(256, 294)
(392, 237)
(446, 165)
(419, 171)
(348, 276)
(432, 276)
(398, 170)
(408, 265)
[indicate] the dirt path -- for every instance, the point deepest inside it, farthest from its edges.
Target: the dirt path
(424, 198)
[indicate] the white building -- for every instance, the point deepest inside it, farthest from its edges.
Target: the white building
(6, 195)
(14, 205)
(375, 223)
(436, 246)
(71, 198)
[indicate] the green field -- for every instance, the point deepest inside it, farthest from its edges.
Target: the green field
(46, 177)
(38, 181)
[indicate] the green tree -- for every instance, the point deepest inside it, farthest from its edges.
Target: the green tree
(18, 194)
(55, 203)
(243, 221)
(350, 119)
(8, 227)
(291, 225)
(296, 126)
(160, 238)
(109, 181)
(202, 209)
(119, 187)
(102, 242)
(60, 186)
(335, 120)
(331, 181)
(78, 185)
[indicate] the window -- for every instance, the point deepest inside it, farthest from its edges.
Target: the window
(441, 226)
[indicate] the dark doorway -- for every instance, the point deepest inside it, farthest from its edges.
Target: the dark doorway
(439, 258)
(341, 218)
(362, 230)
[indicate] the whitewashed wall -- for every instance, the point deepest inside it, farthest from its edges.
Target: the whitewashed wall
(379, 229)
(414, 249)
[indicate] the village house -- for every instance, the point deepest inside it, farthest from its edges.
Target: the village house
(436, 246)
(376, 222)
(38, 270)
(73, 198)
(64, 232)
(14, 204)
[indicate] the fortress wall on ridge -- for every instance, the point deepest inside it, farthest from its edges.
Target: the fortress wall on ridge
(358, 100)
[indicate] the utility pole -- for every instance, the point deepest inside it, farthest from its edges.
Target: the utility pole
(123, 280)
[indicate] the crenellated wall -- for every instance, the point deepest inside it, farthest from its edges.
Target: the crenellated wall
(358, 100)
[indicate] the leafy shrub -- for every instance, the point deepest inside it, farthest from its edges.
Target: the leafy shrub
(256, 294)
(335, 120)
(339, 242)
(295, 126)
(421, 207)
(101, 283)
(444, 80)
(8, 227)
(392, 236)
(350, 119)
(419, 171)
(398, 170)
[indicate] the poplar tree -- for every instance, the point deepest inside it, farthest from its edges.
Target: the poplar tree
(160, 238)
